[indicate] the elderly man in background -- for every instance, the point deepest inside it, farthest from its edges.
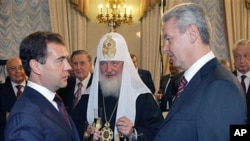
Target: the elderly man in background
(241, 53)
(11, 89)
(76, 94)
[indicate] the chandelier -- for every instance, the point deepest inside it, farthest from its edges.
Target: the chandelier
(115, 13)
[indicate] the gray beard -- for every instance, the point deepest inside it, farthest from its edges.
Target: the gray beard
(110, 87)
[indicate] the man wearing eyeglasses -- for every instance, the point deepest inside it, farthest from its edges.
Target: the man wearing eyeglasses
(11, 90)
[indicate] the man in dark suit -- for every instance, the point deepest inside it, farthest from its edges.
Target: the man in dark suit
(241, 53)
(168, 87)
(9, 90)
(39, 113)
(209, 97)
(144, 74)
(81, 63)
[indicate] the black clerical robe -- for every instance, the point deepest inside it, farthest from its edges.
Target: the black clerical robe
(148, 115)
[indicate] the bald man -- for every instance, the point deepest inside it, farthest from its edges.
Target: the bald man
(9, 91)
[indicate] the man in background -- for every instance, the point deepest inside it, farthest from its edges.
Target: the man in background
(241, 54)
(76, 94)
(168, 87)
(144, 74)
(11, 89)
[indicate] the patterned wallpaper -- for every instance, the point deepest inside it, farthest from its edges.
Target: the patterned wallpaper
(18, 18)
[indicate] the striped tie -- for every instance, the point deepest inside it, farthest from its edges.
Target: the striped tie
(19, 90)
(181, 87)
(77, 95)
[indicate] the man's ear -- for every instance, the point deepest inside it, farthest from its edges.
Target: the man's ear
(35, 66)
(193, 33)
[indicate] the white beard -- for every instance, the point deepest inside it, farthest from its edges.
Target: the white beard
(110, 87)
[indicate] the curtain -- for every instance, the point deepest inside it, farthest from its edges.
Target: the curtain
(68, 22)
(19, 18)
(237, 19)
(150, 46)
(147, 5)
(82, 6)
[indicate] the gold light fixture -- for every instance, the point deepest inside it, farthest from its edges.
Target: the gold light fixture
(115, 13)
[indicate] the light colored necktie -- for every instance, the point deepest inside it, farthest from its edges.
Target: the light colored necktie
(77, 95)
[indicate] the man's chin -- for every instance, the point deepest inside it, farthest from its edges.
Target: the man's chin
(64, 85)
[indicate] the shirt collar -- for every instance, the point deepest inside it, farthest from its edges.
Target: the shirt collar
(239, 74)
(191, 71)
(85, 81)
(42, 90)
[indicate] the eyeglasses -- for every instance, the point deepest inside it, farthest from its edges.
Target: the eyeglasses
(15, 68)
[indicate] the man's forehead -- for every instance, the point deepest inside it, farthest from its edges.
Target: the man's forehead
(110, 61)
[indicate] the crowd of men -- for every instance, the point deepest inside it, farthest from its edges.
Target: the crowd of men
(50, 94)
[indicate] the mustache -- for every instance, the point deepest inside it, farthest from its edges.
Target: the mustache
(109, 73)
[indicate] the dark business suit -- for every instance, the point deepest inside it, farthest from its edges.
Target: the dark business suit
(7, 100)
(78, 113)
(147, 79)
(34, 118)
(169, 91)
(212, 100)
(247, 99)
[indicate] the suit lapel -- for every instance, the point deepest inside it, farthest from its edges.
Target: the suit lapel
(48, 110)
(190, 89)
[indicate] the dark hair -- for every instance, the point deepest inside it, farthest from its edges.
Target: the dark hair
(34, 46)
(77, 52)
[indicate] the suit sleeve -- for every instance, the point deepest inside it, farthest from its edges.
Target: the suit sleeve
(222, 106)
(148, 117)
(151, 83)
(23, 127)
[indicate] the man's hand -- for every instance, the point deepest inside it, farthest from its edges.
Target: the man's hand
(124, 126)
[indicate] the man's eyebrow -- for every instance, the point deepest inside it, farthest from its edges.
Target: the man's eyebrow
(62, 57)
